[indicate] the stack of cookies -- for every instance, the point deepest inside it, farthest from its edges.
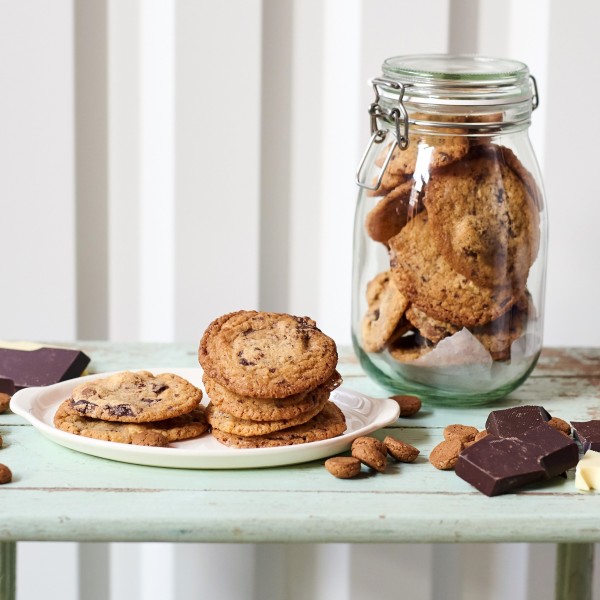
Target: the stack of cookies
(134, 408)
(460, 219)
(269, 377)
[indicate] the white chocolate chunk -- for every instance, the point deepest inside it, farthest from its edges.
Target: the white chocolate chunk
(587, 473)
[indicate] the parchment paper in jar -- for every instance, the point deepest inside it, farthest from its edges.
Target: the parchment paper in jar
(461, 363)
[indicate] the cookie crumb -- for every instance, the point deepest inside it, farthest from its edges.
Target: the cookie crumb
(400, 450)
(463, 433)
(4, 402)
(371, 452)
(5, 474)
(560, 425)
(343, 467)
(149, 438)
(409, 405)
(445, 454)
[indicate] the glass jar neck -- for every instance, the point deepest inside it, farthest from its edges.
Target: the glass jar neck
(461, 120)
(472, 94)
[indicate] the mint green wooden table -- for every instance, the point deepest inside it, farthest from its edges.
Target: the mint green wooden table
(58, 494)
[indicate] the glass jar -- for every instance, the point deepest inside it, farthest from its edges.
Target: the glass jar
(450, 231)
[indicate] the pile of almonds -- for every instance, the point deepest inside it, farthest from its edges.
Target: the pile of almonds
(372, 452)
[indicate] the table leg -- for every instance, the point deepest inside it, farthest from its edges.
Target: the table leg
(574, 570)
(8, 570)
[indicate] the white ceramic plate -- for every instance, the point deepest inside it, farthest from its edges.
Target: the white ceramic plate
(363, 416)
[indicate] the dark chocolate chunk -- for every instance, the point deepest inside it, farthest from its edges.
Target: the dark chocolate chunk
(44, 366)
(512, 421)
(120, 410)
(557, 453)
(83, 406)
(495, 465)
(588, 434)
(7, 386)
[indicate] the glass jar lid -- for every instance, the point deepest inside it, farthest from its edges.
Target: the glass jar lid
(442, 79)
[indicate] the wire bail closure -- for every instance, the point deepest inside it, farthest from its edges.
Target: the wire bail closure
(535, 97)
(400, 119)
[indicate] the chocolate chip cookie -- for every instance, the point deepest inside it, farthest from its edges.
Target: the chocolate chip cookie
(157, 433)
(391, 213)
(423, 274)
(432, 329)
(134, 397)
(227, 423)
(267, 355)
(383, 319)
(268, 409)
(329, 423)
(484, 220)
(424, 153)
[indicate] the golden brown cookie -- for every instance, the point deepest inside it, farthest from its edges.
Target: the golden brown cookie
(426, 152)
(483, 220)
(431, 284)
(386, 307)
(409, 405)
(511, 160)
(227, 423)
(409, 347)
(267, 355)
(343, 467)
(391, 213)
(480, 435)
(371, 452)
(498, 335)
(329, 423)
(445, 454)
(431, 329)
(400, 450)
(134, 397)
(157, 433)
(268, 409)
(4, 402)
(462, 433)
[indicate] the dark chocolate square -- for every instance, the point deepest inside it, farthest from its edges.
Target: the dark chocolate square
(7, 386)
(555, 451)
(44, 366)
(513, 421)
(588, 434)
(497, 465)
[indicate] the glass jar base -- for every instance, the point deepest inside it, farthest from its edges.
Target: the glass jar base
(451, 396)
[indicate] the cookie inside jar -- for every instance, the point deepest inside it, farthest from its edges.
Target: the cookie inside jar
(450, 240)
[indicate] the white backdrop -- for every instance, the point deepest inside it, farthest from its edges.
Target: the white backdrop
(166, 161)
